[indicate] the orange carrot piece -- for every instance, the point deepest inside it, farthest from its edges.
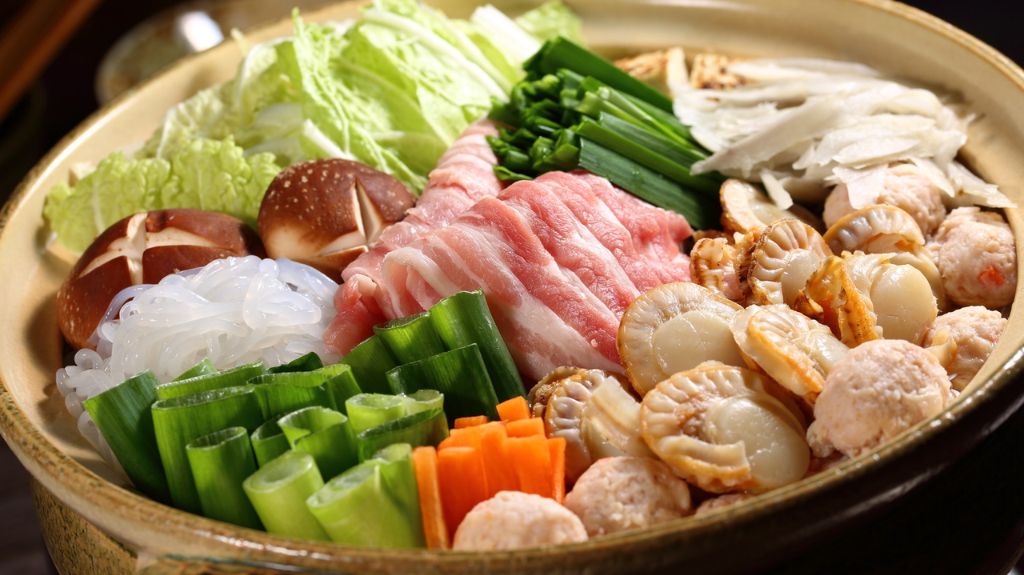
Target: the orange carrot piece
(460, 471)
(513, 409)
(532, 461)
(473, 421)
(556, 447)
(424, 460)
(501, 476)
(525, 427)
(465, 437)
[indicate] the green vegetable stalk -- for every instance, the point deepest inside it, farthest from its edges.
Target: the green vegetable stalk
(278, 492)
(220, 462)
(323, 433)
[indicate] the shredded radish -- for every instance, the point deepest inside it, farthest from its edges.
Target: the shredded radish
(804, 125)
(232, 311)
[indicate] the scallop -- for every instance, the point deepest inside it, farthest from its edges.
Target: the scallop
(716, 427)
(876, 229)
(672, 328)
(563, 416)
(747, 209)
(610, 425)
(713, 264)
(784, 256)
(790, 347)
(540, 393)
(905, 186)
(863, 297)
(880, 229)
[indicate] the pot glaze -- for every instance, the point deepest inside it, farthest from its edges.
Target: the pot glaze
(94, 524)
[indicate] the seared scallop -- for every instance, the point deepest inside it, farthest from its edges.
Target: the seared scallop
(717, 427)
(876, 392)
(622, 493)
(610, 425)
(876, 229)
(793, 349)
(672, 328)
(904, 186)
(785, 254)
(563, 415)
(516, 520)
(714, 264)
(540, 393)
(866, 296)
(977, 258)
(747, 209)
(975, 331)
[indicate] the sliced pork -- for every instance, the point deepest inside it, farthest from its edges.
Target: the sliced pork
(559, 259)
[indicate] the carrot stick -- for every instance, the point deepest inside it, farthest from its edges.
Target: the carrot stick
(424, 460)
(556, 447)
(460, 471)
(532, 461)
(501, 476)
(513, 409)
(473, 421)
(465, 437)
(525, 427)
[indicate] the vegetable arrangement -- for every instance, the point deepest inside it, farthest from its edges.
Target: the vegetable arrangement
(575, 109)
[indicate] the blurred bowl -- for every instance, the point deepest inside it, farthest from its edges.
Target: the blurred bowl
(93, 524)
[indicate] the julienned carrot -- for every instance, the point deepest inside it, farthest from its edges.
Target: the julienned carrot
(460, 471)
(532, 461)
(525, 427)
(462, 422)
(501, 476)
(556, 448)
(424, 460)
(513, 409)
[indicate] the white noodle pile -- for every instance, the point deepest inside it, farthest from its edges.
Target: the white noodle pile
(802, 125)
(232, 311)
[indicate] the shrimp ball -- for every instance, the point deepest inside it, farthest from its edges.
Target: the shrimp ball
(975, 330)
(721, 502)
(975, 253)
(619, 493)
(878, 390)
(904, 186)
(515, 520)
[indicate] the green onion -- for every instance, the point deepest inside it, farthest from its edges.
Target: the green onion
(204, 367)
(307, 362)
(374, 504)
(278, 491)
(323, 433)
(368, 410)
(411, 338)
(180, 420)
(560, 53)
(423, 428)
(268, 441)
(341, 387)
(369, 361)
(464, 319)
(229, 378)
(122, 416)
(460, 374)
(647, 184)
(423, 400)
(220, 461)
(281, 393)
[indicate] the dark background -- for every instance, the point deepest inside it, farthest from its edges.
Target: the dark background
(969, 520)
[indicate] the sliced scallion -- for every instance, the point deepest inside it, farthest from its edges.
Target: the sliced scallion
(123, 417)
(423, 428)
(278, 492)
(411, 338)
(268, 441)
(220, 462)
(204, 367)
(460, 374)
(323, 433)
(228, 378)
(423, 400)
(463, 319)
(368, 410)
(281, 393)
(307, 362)
(369, 361)
(340, 387)
(180, 420)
